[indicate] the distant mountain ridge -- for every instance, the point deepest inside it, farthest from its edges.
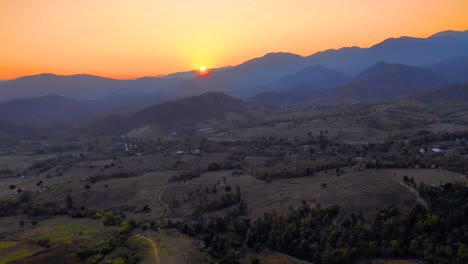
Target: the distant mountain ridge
(297, 86)
(388, 80)
(451, 92)
(80, 86)
(241, 80)
(404, 50)
(381, 81)
(454, 69)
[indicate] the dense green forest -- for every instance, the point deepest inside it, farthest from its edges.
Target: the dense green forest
(437, 234)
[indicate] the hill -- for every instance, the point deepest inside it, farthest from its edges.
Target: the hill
(404, 50)
(75, 86)
(311, 78)
(295, 87)
(388, 80)
(245, 78)
(42, 110)
(173, 114)
(454, 69)
(452, 92)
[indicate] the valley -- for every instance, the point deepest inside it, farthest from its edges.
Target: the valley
(356, 155)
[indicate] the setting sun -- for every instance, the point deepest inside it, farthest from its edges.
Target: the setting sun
(202, 68)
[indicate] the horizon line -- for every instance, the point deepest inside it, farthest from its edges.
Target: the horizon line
(219, 67)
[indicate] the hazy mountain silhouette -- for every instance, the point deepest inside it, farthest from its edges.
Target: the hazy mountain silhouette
(454, 69)
(452, 92)
(403, 50)
(243, 79)
(10, 132)
(43, 110)
(297, 86)
(192, 74)
(388, 80)
(311, 78)
(74, 86)
(240, 79)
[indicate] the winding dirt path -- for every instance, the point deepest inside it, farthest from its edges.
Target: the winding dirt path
(160, 198)
(410, 189)
(153, 245)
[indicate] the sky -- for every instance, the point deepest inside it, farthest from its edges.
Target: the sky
(127, 39)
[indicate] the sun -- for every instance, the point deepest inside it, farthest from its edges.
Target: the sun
(202, 68)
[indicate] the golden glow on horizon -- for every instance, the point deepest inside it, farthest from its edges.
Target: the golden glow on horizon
(202, 68)
(129, 39)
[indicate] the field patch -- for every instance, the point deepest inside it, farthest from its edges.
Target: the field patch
(175, 248)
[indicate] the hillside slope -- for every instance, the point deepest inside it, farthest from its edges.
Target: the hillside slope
(172, 115)
(388, 80)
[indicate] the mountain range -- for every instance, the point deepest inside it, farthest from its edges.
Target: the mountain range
(242, 80)
(103, 106)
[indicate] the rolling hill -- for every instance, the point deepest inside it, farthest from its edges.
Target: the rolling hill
(404, 50)
(245, 78)
(74, 86)
(173, 114)
(295, 87)
(454, 69)
(452, 92)
(387, 80)
(43, 110)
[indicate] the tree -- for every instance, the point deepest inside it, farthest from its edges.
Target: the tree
(214, 166)
(69, 202)
(255, 260)
(406, 179)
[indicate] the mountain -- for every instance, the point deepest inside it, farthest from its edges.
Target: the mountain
(298, 85)
(452, 92)
(43, 110)
(387, 80)
(245, 78)
(10, 132)
(311, 78)
(173, 114)
(451, 34)
(241, 79)
(404, 50)
(74, 86)
(191, 74)
(454, 69)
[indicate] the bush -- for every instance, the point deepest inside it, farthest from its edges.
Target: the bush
(214, 166)
(45, 242)
(255, 260)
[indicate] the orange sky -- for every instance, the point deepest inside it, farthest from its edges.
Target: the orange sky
(135, 38)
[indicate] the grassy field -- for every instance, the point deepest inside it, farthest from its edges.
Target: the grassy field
(13, 250)
(427, 176)
(271, 258)
(364, 191)
(175, 248)
(63, 234)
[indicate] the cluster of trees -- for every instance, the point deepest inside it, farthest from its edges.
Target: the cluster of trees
(281, 168)
(97, 178)
(425, 137)
(227, 199)
(186, 176)
(436, 234)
